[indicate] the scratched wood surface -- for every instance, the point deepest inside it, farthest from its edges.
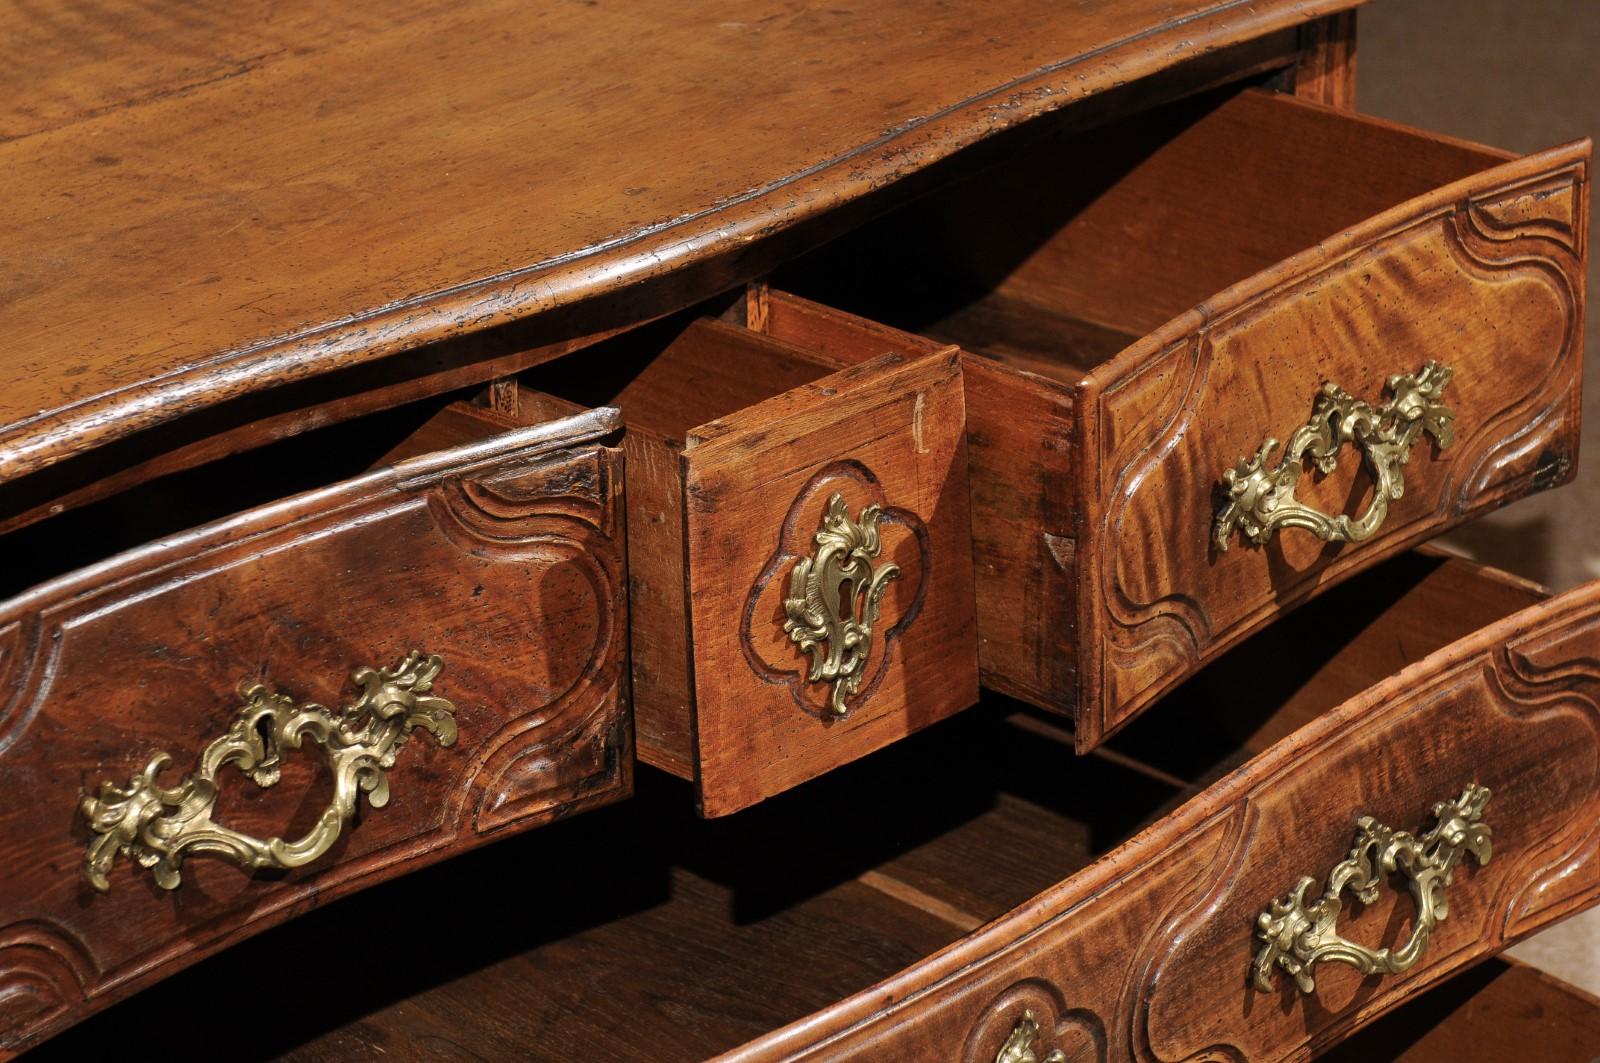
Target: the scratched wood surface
(502, 553)
(222, 198)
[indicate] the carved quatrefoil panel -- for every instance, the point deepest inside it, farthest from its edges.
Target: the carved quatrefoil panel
(895, 539)
(1031, 1023)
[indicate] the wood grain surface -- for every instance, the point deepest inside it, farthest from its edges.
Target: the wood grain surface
(502, 554)
(230, 198)
(1484, 275)
(889, 432)
(1145, 955)
(780, 910)
(1326, 71)
(1158, 318)
(1500, 1011)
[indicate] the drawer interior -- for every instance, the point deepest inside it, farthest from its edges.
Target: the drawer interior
(674, 375)
(191, 497)
(577, 939)
(1078, 245)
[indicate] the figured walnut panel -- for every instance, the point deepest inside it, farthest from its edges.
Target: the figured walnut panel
(1146, 955)
(1484, 276)
(504, 557)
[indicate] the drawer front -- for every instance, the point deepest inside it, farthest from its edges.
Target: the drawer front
(1153, 952)
(1483, 280)
(859, 481)
(503, 558)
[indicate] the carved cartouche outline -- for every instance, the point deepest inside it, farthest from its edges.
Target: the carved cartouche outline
(1177, 621)
(62, 605)
(792, 545)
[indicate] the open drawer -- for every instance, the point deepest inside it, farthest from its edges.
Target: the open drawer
(974, 874)
(221, 728)
(1224, 355)
(800, 559)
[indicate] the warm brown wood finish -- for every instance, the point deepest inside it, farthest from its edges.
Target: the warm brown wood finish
(1145, 955)
(1002, 288)
(778, 911)
(736, 442)
(1420, 248)
(1500, 1011)
(261, 194)
(502, 553)
(1326, 71)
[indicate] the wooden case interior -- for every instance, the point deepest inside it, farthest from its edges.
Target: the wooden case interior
(1081, 242)
(674, 375)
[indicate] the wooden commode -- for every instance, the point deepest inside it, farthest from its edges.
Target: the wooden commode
(924, 507)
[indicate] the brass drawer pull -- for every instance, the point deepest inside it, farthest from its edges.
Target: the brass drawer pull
(157, 827)
(1019, 1046)
(834, 597)
(1261, 500)
(1298, 936)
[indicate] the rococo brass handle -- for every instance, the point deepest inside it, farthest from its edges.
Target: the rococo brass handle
(158, 827)
(834, 597)
(1261, 500)
(1298, 935)
(1019, 1045)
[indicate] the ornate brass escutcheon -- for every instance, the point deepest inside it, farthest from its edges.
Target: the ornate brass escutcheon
(1299, 935)
(1261, 500)
(159, 826)
(1019, 1046)
(834, 597)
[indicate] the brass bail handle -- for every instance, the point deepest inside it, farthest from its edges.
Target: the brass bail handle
(1299, 934)
(1260, 500)
(158, 826)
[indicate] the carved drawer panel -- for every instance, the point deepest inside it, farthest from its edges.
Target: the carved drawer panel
(212, 733)
(1422, 825)
(801, 574)
(1246, 347)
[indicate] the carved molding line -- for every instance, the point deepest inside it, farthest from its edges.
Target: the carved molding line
(25, 673)
(1562, 869)
(1164, 637)
(44, 971)
(1031, 1022)
(1236, 828)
